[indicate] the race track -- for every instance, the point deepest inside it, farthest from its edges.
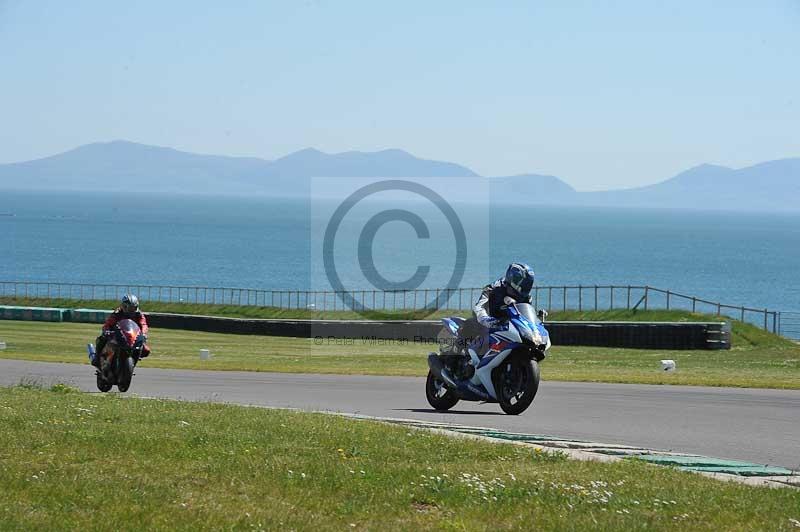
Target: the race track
(761, 426)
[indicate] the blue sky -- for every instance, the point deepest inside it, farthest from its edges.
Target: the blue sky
(602, 94)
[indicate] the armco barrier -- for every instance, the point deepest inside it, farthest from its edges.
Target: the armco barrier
(641, 335)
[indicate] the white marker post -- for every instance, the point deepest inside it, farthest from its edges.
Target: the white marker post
(668, 365)
(205, 354)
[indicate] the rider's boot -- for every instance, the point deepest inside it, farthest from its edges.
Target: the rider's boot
(99, 345)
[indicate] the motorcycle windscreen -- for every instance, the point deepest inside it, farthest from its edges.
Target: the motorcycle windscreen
(130, 330)
(540, 334)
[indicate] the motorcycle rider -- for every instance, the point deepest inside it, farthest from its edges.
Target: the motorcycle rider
(127, 310)
(488, 312)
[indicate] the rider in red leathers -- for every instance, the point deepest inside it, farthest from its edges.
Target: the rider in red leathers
(128, 310)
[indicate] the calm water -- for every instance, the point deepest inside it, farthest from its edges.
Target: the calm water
(751, 259)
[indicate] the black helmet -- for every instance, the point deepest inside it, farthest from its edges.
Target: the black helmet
(519, 280)
(130, 303)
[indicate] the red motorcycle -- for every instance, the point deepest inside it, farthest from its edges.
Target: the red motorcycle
(119, 356)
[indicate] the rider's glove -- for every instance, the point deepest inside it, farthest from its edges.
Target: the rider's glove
(489, 322)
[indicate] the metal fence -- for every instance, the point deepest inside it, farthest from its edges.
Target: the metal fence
(575, 297)
(789, 324)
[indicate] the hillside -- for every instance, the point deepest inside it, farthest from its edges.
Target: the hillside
(121, 165)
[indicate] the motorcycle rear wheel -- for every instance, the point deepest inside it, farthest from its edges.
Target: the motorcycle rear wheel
(439, 397)
(516, 383)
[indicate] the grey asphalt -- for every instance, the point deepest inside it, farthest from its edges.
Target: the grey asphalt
(761, 426)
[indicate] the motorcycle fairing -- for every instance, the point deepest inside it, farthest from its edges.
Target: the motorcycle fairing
(453, 324)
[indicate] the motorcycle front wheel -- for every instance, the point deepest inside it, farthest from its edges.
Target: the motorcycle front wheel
(125, 374)
(438, 395)
(516, 383)
(102, 384)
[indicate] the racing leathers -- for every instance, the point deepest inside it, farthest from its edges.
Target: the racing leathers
(487, 314)
(488, 309)
(115, 317)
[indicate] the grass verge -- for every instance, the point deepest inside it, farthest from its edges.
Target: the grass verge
(764, 364)
(77, 461)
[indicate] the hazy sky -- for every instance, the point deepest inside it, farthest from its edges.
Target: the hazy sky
(602, 94)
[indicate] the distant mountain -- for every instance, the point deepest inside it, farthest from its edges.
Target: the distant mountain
(119, 165)
(772, 185)
(386, 163)
(532, 189)
(122, 165)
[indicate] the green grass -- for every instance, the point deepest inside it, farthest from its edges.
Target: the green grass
(77, 461)
(765, 362)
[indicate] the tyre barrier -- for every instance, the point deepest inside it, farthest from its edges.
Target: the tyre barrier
(636, 335)
(34, 314)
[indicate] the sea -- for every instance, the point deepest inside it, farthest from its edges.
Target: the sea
(750, 259)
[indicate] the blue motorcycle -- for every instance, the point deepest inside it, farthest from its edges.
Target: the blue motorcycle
(501, 367)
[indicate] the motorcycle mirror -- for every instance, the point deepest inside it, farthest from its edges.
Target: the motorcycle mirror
(508, 300)
(542, 314)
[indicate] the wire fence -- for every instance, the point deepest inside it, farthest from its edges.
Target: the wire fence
(789, 324)
(574, 297)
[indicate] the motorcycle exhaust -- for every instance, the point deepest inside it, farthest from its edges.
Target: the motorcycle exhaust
(440, 372)
(464, 389)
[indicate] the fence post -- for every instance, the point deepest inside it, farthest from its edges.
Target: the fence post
(694, 304)
(742, 314)
(595, 298)
(766, 328)
(550, 298)
(668, 294)
(628, 306)
(611, 295)
(564, 293)
(719, 308)
(774, 330)
(646, 293)
(580, 298)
